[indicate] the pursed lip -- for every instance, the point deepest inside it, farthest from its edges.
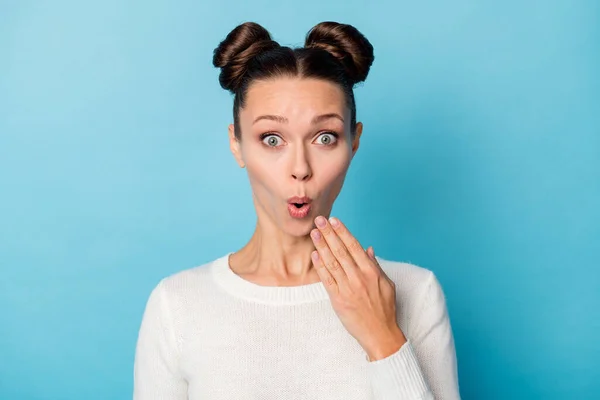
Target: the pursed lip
(299, 200)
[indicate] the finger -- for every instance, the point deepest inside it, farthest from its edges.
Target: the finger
(327, 258)
(351, 243)
(371, 253)
(328, 280)
(336, 246)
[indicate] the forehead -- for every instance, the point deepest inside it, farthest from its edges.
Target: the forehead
(300, 98)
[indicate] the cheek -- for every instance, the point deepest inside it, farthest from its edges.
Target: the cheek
(263, 175)
(333, 170)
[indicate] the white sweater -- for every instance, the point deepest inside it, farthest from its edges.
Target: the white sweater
(209, 334)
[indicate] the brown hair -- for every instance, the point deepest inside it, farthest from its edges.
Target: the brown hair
(334, 52)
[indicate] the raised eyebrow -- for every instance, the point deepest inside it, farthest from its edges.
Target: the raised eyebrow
(276, 118)
(320, 118)
(284, 120)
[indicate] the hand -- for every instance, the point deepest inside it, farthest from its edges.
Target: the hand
(362, 295)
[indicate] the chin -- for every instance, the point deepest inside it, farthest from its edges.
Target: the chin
(299, 227)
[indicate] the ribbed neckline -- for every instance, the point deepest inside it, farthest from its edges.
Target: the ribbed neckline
(239, 287)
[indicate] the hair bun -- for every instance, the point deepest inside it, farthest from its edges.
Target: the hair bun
(346, 44)
(239, 48)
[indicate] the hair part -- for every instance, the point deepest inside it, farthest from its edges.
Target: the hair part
(332, 52)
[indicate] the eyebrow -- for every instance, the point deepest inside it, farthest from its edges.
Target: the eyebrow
(284, 120)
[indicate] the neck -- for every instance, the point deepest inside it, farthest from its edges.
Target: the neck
(276, 258)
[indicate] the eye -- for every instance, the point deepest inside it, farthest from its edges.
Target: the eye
(327, 138)
(271, 140)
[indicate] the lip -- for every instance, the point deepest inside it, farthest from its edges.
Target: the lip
(300, 200)
(299, 213)
(302, 212)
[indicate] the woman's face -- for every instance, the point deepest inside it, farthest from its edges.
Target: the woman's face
(296, 141)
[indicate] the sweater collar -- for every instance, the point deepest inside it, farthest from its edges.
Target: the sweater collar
(274, 295)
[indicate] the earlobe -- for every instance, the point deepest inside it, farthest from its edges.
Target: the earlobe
(234, 146)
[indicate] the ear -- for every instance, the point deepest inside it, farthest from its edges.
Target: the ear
(356, 141)
(234, 146)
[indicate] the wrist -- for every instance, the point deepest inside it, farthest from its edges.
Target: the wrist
(386, 345)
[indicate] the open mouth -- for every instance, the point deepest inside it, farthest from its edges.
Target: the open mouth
(299, 209)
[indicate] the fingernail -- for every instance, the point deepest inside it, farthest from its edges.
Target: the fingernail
(334, 222)
(316, 234)
(315, 256)
(320, 221)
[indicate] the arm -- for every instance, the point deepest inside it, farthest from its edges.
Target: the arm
(425, 367)
(156, 372)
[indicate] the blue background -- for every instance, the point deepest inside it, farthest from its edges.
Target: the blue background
(480, 160)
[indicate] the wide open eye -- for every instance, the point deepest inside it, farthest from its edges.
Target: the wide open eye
(271, 140)
(327, 138)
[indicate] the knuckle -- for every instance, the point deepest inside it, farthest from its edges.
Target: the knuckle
(355, 246)
(334, 265)
(341, 252)
(373, 273)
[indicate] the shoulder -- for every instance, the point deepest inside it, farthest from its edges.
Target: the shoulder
(407, 275)
(413, 282)
(189, 284)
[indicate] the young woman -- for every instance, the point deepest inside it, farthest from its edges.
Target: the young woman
(302, 311)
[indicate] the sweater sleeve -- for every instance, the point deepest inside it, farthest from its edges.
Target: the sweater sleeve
(156, 372)
(425, 367)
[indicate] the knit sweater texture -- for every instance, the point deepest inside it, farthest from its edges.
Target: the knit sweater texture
(207, 333)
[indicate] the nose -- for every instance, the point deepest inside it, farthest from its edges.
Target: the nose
(300, 166)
